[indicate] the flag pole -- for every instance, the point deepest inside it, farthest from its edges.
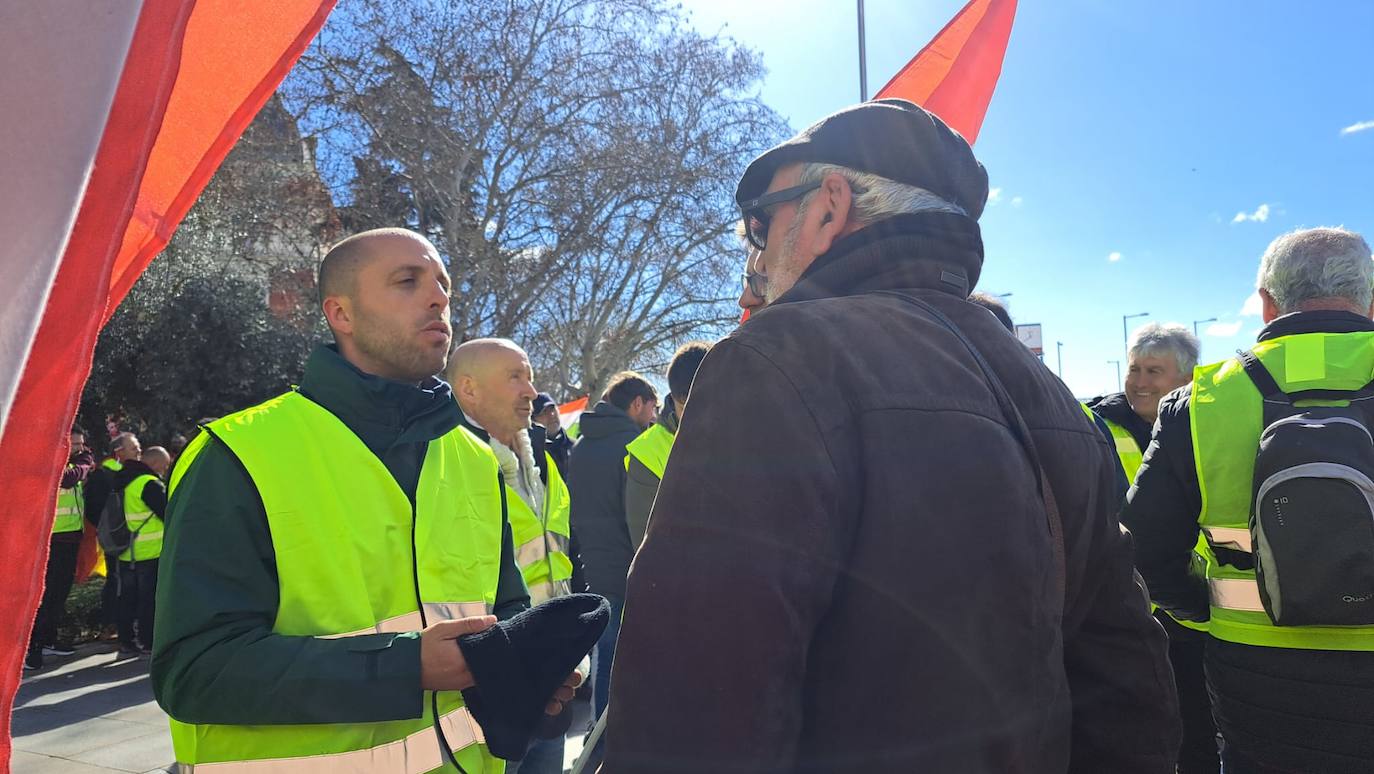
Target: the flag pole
(863, 57)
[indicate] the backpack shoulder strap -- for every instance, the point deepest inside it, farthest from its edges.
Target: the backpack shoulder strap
(1272, 393)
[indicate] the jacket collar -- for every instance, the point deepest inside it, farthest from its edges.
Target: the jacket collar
(1315, 322)
(381, 412)
(920, 250)
(1117, 408)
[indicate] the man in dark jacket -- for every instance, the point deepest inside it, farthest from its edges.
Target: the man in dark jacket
(1279, 709)
(544, 414)
(849, 566)
(1160, 359)
(596, 481)
(63, 549)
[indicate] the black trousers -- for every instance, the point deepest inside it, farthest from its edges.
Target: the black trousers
(1187, 649)
(57, 584)
(137, 596)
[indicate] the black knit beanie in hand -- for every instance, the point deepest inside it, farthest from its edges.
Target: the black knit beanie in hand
(518, 664)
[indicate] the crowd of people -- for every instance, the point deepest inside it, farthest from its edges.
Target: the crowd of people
(131, 485)
(885, 537)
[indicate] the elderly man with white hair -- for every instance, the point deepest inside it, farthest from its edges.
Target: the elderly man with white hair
(1160, 359)
(1290, 655)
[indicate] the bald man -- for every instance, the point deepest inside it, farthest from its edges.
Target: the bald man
(328, 546)
(494, 384)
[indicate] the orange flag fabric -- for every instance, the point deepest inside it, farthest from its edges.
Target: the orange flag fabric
(191, 76)
(955, 74)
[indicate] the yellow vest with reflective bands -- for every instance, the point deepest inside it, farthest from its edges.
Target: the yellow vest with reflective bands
(541, 540)
(1127, 450)
(652, 448)
(354, 557)
(68, 516)
(147, 543)
(1227, 418)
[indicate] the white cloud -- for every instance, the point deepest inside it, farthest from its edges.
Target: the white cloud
(1114, 257)
(994, 195)
(1223, 329)
(1360, 127)
(1253, 306)
(1016, 201)
(1260, 215)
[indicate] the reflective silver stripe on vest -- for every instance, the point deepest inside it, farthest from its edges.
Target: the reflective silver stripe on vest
(534, 550)
(1237, 539)
(410, 622)
(1236, 594)
(546, 590)
(413, 622)
(448, 611)
(415, 754)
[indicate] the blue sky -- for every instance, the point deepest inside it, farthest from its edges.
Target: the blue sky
(1137, 130)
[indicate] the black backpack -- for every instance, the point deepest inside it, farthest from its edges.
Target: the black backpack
(113, 531)
(1312, 515)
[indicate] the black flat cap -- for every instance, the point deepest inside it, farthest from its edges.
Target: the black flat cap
(892, 138)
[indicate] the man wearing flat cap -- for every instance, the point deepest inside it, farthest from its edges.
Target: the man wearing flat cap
(887, 541)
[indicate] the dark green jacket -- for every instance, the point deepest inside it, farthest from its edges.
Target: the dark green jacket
(216, 659)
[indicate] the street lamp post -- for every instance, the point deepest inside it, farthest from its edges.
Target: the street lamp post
(1059, 345)
(1125, 336)
(863, 58)
(1196, 323)
(1117, 363)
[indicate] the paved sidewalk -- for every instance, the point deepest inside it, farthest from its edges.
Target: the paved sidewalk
(92, 713)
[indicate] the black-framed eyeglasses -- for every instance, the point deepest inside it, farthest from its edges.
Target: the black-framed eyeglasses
(757, 214)
(754, 282)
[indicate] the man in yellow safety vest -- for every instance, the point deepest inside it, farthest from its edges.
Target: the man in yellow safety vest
(1160, 359)
(494, 385)
(328, 547)
(1288, 695)
(646, 457)
(68, 522)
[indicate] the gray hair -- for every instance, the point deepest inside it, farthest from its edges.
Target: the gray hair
(1165, 339)
(1315, 264)
(876, 197)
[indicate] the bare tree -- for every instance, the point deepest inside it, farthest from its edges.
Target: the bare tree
(574, 161)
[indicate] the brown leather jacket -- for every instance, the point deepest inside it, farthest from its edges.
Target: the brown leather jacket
(848, 567)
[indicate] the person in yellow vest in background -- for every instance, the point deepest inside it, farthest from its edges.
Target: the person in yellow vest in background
(1160, 358)
(494, 384)
(99, 485)
(647, 456)
(1268, 455)
(328, 547)
(67, 525)
(140, 483)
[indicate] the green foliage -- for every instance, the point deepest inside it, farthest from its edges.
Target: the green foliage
(194, 338)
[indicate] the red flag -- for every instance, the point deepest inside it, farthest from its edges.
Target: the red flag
(191, 74)
(955, 74)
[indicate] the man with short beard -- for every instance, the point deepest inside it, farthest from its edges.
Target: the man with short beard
(316, 571)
